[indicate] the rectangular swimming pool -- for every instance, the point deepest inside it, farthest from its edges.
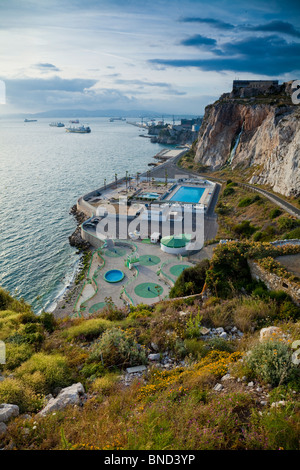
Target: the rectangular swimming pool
(188, 194)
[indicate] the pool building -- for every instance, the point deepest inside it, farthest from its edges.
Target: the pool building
(157, 205)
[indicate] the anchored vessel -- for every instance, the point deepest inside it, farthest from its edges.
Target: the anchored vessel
(79, 129)
(30, 120)
(117, 119)
(56, 124)
(74, 121)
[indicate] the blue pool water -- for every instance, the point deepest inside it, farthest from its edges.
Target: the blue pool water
(188, 194)
(114, 275)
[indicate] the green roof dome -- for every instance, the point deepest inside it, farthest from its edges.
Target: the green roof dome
(176, 241)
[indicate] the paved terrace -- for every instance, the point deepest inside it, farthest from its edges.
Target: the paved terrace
(149, 282)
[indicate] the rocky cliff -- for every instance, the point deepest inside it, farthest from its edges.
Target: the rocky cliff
(261, 130)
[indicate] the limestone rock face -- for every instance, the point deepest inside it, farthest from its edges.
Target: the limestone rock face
(3, 429)
(270, 332)
(262, 134)
(68, 396)
(8, 411)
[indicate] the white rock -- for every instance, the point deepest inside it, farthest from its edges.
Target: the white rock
(234, 329)
(270, 332)
(204, 331)
(154, 346)
(8, 411)
(263, 402)
(259, 389)
(133, 370)
(223, 335)
(226, 377)
(67, 396)
(218, 387)
(219, 330)
(251, 384)
(154, 357)
(3, 429)
(276, 404)
(182, 314)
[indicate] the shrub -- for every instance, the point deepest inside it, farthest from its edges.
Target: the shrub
(271, 362)
(289, 311)
(258, 236)
(14, 391)
(141, 311)
(191, 280)
(275, 213)
(229, 270)
(195, 348)
(48, 321)
(193, 326)
(7, 302)
(16, 354)
(53, 367)
(92, 370)
(244, 228)
(220, 344)
(293, 234)
(246, 201)
(9, 322)
(87, 329)
(287, 223)
(118, 348)
(228, 191)
(251, 310)
(30, 333)
(103, 385)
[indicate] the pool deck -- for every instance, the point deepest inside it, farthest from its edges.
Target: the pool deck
(97, 290)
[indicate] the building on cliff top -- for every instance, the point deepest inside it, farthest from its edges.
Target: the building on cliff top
(261, 84)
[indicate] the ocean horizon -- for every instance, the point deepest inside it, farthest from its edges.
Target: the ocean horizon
(43, 171)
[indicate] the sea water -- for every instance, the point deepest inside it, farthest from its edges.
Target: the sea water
(43, 171)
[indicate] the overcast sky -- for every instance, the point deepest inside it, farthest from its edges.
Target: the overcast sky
(170, 56)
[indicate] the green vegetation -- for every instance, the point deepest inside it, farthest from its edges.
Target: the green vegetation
(272, 362)
(252, 217)
(190, 281)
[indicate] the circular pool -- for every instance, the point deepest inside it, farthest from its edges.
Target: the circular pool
(114, 275)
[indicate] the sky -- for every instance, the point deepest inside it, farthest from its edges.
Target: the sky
(168, 56)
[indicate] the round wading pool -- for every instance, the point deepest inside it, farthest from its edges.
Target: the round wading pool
(114, 275)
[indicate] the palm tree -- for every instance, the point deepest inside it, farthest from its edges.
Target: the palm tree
(116, 179)
(104, 183)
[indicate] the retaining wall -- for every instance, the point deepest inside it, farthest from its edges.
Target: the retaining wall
(274, 282)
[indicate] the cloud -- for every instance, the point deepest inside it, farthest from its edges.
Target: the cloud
(276, 27)
(168, 89)
(47, 67)
(218, 24)
(198, 40)
(40, 92)
(48, 84)
(271, 56)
